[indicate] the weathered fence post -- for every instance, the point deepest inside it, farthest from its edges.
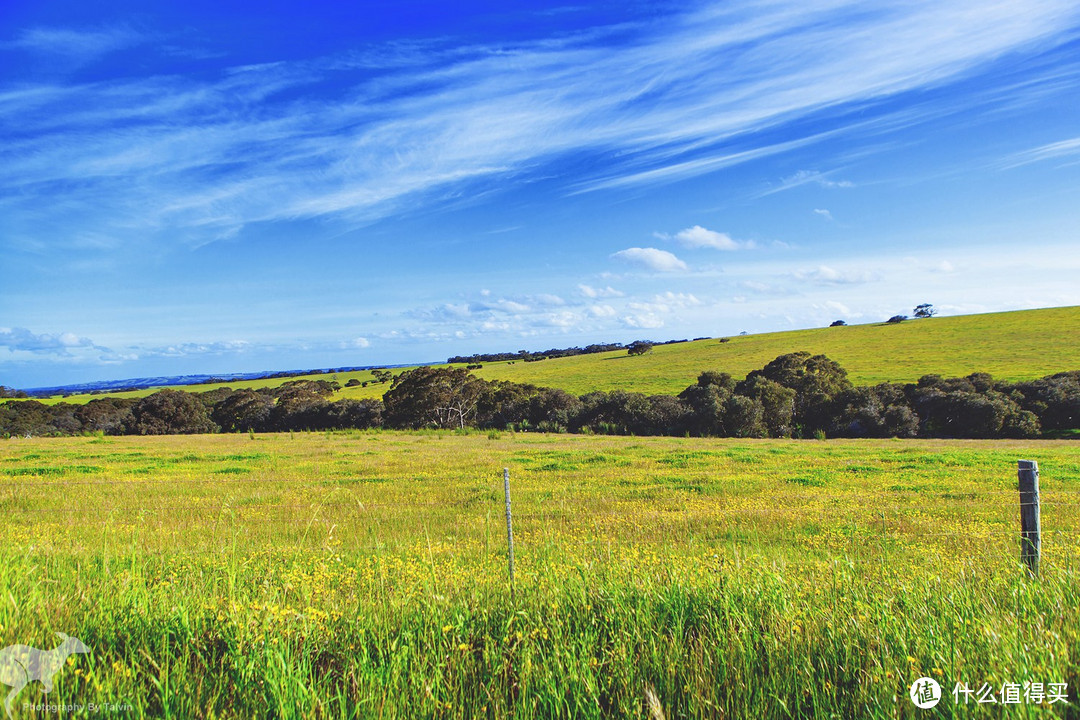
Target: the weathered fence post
(509, 528)
(1030, 525)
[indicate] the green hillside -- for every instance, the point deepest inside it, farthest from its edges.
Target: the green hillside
(1011, 346)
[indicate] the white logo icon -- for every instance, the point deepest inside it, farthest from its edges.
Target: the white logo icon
(21, 664)
(925, 693)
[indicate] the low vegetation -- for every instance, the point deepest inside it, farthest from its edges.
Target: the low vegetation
(363, 574)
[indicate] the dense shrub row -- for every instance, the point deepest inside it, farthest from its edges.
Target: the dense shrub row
(795, 395)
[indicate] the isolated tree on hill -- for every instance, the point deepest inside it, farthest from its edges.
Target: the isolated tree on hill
(837, 323)
(639, 347)
(925, 310)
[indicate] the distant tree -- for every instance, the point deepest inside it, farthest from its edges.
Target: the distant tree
(639, 347)
(925, 310)
(895, 319)
(837, 323)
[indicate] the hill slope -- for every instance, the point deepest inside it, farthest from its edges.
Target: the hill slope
(1010, 346)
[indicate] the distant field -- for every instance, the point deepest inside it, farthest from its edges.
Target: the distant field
(363, 574)
(1010, 346)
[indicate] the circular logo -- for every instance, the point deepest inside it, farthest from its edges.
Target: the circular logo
(925, 693)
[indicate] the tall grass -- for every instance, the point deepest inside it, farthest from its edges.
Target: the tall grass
(363, 575)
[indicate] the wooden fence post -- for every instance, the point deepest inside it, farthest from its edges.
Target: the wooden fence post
(509, 528)
(1030, 524)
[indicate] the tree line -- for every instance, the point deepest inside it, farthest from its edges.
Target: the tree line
(795, 395)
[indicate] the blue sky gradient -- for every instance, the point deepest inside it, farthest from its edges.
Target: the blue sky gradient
(214, 187)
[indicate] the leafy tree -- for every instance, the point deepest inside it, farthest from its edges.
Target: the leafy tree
(707, 404)
(744, 417)
(106, 415)
(777, 404)
(348, 413)
(554, 409)
(816, 380)
(896, 319)
(668, 415)
(244, 410)
(837, 323)
(430, 396)
(170, 412)
(639, 347)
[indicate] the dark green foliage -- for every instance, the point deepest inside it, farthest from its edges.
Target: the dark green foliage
(244, 410)
(553, 409)
(170, 412)
(777, 404)
(639, 347)
(359, 414)
(794, 395)
(816, 380)
(106, 415)
(1055, 399)
(432, 397)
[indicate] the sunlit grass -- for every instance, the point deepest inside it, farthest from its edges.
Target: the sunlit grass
(364, 574)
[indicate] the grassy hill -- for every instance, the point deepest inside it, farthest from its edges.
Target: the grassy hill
(1011, 346)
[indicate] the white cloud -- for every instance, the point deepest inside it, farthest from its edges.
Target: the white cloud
(548, 300)
(21, 339)
(823, 213)
(83, 44)
(644, 321)
(699, 237)
(825, 275)
(1062, 149)
(601, 311)
(651, 258)
(360, 342)
(605, 292)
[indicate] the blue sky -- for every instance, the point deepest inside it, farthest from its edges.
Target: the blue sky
(213, 187)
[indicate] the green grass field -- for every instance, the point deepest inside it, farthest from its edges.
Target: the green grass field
(1010, 346)
(360, 574)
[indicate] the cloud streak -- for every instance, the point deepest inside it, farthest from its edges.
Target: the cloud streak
(194, 160)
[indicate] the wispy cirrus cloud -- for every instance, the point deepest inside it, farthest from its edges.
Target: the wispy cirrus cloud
(193, 159)
(1063, 149)
(78, 44)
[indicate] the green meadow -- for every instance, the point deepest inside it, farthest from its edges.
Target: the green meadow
(364, 574)
(1018, 345)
